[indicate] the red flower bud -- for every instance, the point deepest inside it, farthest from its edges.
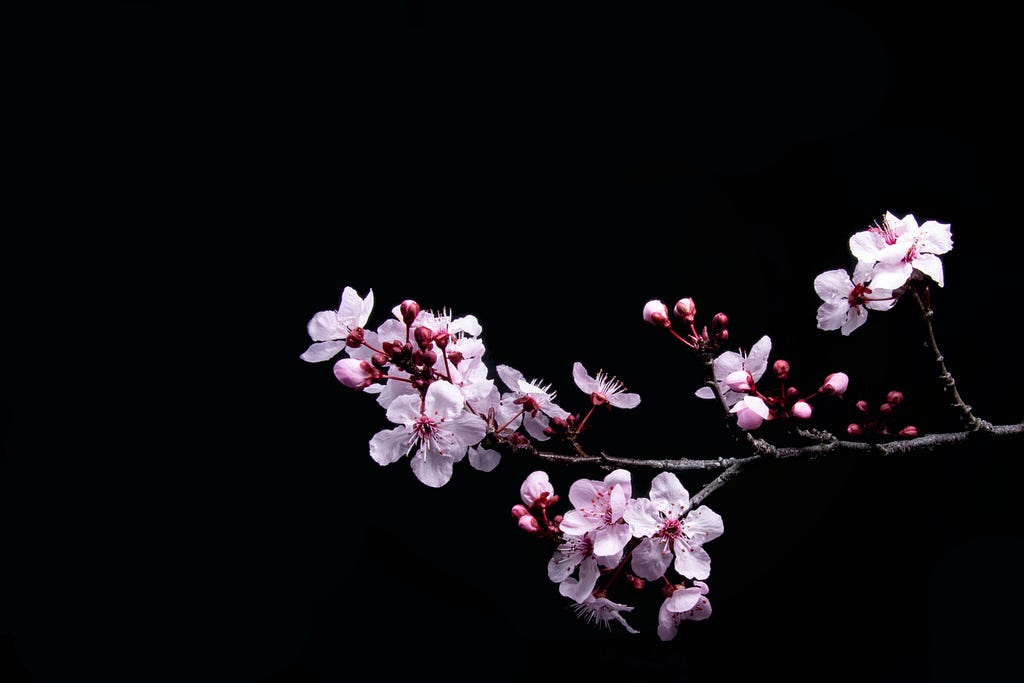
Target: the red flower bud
(894, 397)
(863, 406)
(409, 310)
(885, 409)
(441, 339)
(423, 336)
(355, 338)
(781, 369)
(719, 323)
(685, 309)
(909, 432)
(854, 429)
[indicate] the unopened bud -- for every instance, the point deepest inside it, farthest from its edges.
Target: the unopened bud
(835, 383)
(719, 323)
(792, 393)
(379, 360)
(441, 339)
(353, 373)
(723, 336)
(854, 429)
(423, 336)
(740, 380)
(885, 409)
(529, 523)
(802, 410)
(909, 432)
(409, 310)
(894, 397)
(429, 358)
(519, 510)
(455, 357)
(685, 309)
(635, 582)
(781, 369)
(863, 406)
(656, 313)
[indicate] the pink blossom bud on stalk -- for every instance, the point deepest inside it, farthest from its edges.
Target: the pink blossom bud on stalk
(894, 397)
(355, 338)
(781, 369)
(423, 336)
(441, 339)
(529, 523)
(656, 313)
(354, 373)
(792, 393)
(802, 410)
(518, 510)
(685, 309)
(739, 380)
(409, 310)
(863, 406)
(854, 429)
(835, 383)
(909, 432)
(885, 408)
(719, 323)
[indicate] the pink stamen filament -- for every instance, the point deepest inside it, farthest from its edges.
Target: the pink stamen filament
(512, 419)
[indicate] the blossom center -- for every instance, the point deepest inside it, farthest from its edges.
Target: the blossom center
(425, 429)
(857, 297)
(671, 529)
(885, 231)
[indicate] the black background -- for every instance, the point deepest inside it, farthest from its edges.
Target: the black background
(183, 499)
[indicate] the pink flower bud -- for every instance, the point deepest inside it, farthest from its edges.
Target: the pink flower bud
(423, 336)
(656, 313)
(719, 323)
(723, 336)
(455, 357)
(885, 409)
(519, 510)
(353, 373)
(529, 523)
(379, 360)
(792, 393)
(854, 429)
(835, 383)
(739, 380)
(909, 432)
(429, 358)
(863, 406)
(781, 369)
(355, 338)
(635, 582)
(685, 309)
(409, 310)
(894, 397)
(802, 410)
(441, 339)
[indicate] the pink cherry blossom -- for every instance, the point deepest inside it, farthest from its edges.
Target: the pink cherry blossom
(845, 304)
(603, 388)
(442, 431)
(755, 363)
(669, 536)
(802, 410)
(578, 552)
(535, 485)
(600, 611)
(329, 329)
(538, 399)
(750, 411)
(599, 506)
(898, 247)
(836, 383)
(684, 604)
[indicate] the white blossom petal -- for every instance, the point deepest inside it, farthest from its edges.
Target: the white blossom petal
(325, 326)
(756, 361)
(535, 426)
(584, 381)
(704, 392)
(611, 539)
(855, 317)
(484, 459)
(832, 316)
(444, 400)
(865, 246)
(683, 600)
(891, 276)
(624, 400)
(930, 265)
(643, 517)
(833, 285)
(669, 495)
(703, 525)
(431, 467)
(321, 351)
(693, 562)
(580, 590)
(935, 237)
(390, 445)
(650, 559)
(575, 523)
(510, 376)
(467, 428)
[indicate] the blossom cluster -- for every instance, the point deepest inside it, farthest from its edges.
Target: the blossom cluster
(888, 254)
(428, 373)
(609, 530)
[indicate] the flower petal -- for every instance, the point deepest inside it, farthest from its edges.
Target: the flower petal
(865, 245)
(583, 491)
(390, 445)
(891, 276)
(576, 523)
(703, 525)
(325, 325)
(935, 237)
(833, 285)
(622, 478)
(650, 560)
(756, 361)
(704, 392)
(855, 317)
(581, 590)
(643, 517)
(321, 351)
(624, 400)
(484, 459)
(669, 495)
(683, 600)
(584, 381)
(832, 316)
(510, 376)
(467, 428)
(610, 539)
(693, 563)
(443, 400)
(930, 265)
(432, 468)
(535, 426)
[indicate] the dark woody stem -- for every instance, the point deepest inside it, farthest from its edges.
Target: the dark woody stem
(971, 421)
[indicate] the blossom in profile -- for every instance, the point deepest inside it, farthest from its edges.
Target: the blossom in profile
(441, 432)
(535, 399)
(684, 604)
(893, 250)
(750, 412)
(754, 363)
(603, 389)
(671, 537)
(577, 552)
(330, 329)
(599, 507)
(845, 303)
(600, 611)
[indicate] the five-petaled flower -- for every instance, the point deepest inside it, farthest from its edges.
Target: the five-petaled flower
(684, 604)
(603, 389)
(440, 428)
(599, 507)
(892, 251)
(670, 531)
(330, 329)
(846, 301)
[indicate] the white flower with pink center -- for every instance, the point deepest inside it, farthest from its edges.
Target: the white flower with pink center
(441, 431)
(751, 412)
(603, 388)
(535, 400)
(599, 507)
(754, 363)
(669, 537)
(578, 552)
(899, 246)
(846, 303)
(685, 604)
(329, 329)
(600, 612)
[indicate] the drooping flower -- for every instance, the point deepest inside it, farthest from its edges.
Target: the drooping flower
(755, 363)
(442, 431)
(750, 411)
(537, 398)
(599, 507)
(536, 485)
(669, 536)
(846, 303)
(603, 388)
(600, 612)
(899, 246)
(684, 604)
(330, 329)
(578, 552)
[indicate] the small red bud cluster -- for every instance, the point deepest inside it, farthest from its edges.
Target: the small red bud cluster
(881, 422)
(534, 519)
(656, 313)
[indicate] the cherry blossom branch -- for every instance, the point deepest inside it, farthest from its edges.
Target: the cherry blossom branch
(970, 419)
